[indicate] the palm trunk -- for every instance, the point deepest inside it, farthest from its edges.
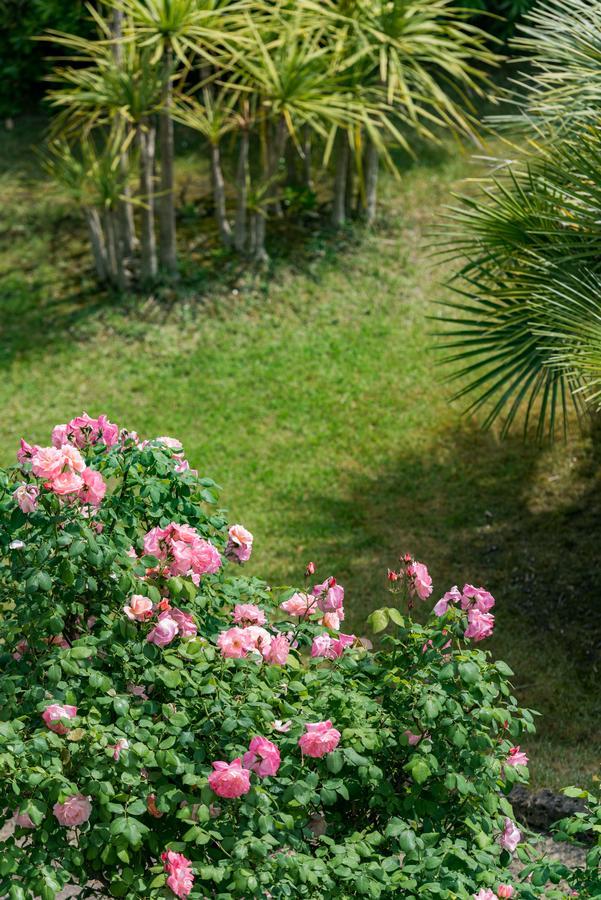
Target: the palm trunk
(372, 161)
(225, 231)
(339, 202)
(272, 159)
(98, 244)
(350, 187)
(307, 157)
(167, 249)
(242, 193)
(111, 249)
(126, 212)
(146, 142)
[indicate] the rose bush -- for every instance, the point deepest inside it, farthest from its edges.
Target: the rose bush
(169, 727)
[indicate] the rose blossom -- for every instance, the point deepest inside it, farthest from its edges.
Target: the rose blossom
(262, 757)
(278, 650)
(164, 631)
(283, 727)
(26, 496)
(330, 595)
(185, 623)
(248, 614)
(179, 870)
(480, 625)
(322, 646)
(420, 582)
(452, 596)
(82, 431)
(233, 643)
(412, 739)
(516, 757)
(66, 483)
(94, 487)
(505, 890)
(139, 608)
(122, 744)
(23, 819)
(229, 779)
(333, 619)
(47, 462)
(476, 597)
(510, 836)
(299, 605)
(170, 442)
(72, 459)
(320, 738)
(26, 451)
(74, 811)
(53, 714)
(485, 894)
(240, 543)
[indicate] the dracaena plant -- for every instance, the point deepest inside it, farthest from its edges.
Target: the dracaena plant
(172, 727)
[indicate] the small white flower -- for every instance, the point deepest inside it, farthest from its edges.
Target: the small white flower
(16, 545)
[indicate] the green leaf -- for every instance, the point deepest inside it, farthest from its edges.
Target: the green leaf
(378, 620)
(469, 672)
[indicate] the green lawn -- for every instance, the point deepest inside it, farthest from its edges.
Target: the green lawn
(314, 396)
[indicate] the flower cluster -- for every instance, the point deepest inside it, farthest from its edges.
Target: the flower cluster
(182, 551)
(477, 602)
(179, 871)
(238, 643)
(415, 575)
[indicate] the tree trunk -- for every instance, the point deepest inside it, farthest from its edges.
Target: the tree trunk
(111, 249)
(98, 244)
(339, 201)
(167, 249)
(350, 186)
(372, 161)
(242, 193)
(271, 163)
(122, 279)
(126, 212)
(307, 157)
(146, 142)
(225, 232)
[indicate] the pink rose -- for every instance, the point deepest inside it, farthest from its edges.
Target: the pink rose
(299, 605)
(53, 715)
(47, 462)
(452, 596)
(412, 739)
(72, 459)
(205, 558)
(74, 811)
(262, 757)
(330, 595)
(485, 894)
(155, 542)
(283, 727)
(516, 757)
(26, 496)
(476, 597)
(420, 582)
(179, 870)
(21, 648)
(505, 890)
(480, 625)
(257, 639)
(83, 431)
(320, 738)
(185, 622)
(229, 779)
(26, 451)
(233, 643)
(239, 546)
(248, 614)
(322, 646)
(122, 744)
(164, 631)
(278, 650)
(94, 487)
(22, 819)
(139, 608)
(66, 483)
(333, 619)
(170, 442)
(510, 836)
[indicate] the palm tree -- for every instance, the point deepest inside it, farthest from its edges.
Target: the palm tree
(525, 331)
(177, 31)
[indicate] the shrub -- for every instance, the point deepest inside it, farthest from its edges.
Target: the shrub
(169, 726)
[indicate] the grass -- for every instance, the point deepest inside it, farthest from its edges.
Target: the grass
(313, 394)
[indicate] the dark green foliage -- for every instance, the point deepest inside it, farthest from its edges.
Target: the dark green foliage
(22, 60)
